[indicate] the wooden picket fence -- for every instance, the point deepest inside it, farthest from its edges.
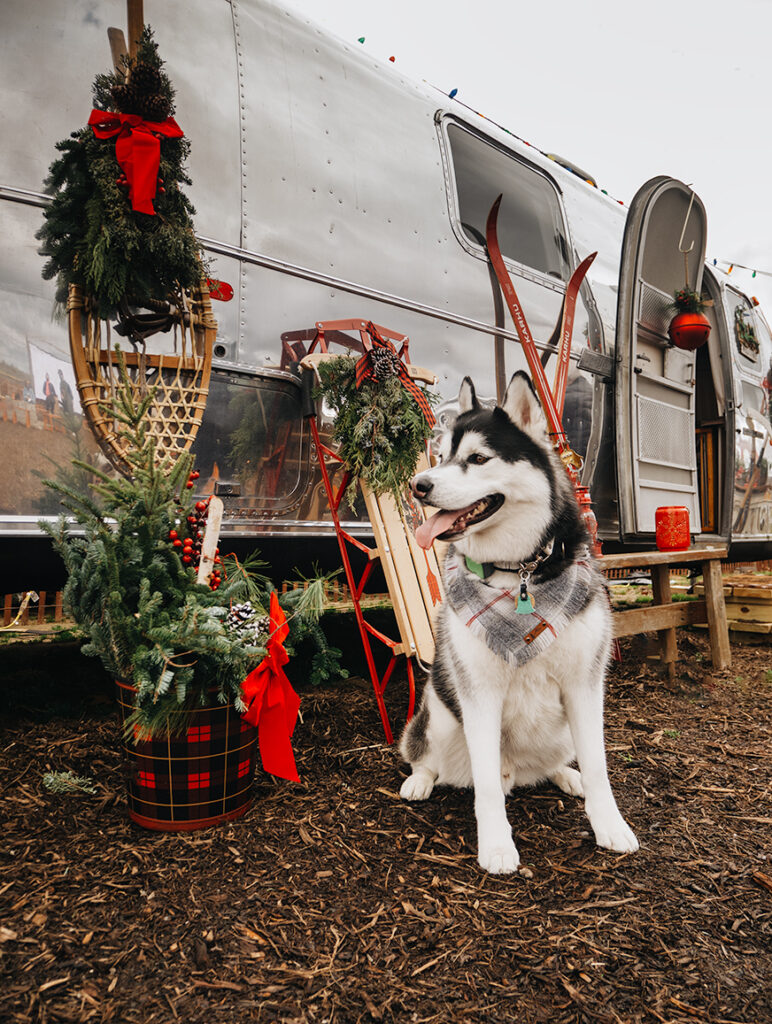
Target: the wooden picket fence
(36, 609)
(335, 593)
(39, 608)
(32, 608)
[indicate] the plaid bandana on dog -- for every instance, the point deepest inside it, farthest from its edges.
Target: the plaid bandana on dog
(491, 612)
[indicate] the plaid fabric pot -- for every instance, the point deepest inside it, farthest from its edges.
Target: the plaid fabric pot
(183, 781)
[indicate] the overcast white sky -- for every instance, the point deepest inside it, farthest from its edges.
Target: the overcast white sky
(626, 91)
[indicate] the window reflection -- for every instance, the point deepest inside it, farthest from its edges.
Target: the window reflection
(530, 225)
(252, 448)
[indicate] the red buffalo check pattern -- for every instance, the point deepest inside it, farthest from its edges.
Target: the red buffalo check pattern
(195, 776)
(199, 733)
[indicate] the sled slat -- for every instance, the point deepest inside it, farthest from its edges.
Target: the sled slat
(407, 590)
(386, 553)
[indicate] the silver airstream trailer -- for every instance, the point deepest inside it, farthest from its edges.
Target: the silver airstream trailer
(329, 186)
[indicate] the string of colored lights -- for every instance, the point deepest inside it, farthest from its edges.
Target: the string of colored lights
(740, 266)
(453, 95)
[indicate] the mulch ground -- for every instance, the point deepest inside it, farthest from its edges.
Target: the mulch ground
(333, 901)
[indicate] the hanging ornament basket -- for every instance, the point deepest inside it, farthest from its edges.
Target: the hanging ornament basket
(180, 380)
(688, 331)
(689, 328)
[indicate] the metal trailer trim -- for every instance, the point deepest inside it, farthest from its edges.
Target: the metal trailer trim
(306, 273)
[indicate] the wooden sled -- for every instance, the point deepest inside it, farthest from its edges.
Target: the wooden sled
(412, 574)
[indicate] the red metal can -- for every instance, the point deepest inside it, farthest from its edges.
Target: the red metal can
(672, 528)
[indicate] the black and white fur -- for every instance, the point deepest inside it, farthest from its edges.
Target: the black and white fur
(481, 722)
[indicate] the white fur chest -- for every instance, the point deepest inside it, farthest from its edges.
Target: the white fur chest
(535, 735)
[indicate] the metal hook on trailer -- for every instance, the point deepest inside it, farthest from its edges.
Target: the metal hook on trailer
(683, 229)
(681, 239)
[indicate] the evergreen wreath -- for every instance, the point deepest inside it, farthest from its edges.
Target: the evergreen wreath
(153, 626)
(745, 333)
(91, 235)
(380, 429)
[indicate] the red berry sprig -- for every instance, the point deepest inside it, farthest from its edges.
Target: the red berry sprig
(190, 547)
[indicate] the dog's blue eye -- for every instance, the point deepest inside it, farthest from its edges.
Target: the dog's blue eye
(478, 460)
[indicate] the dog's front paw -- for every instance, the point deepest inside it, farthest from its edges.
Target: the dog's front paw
(616, 835)
(499, 860)
(569, 780)
(419, 785)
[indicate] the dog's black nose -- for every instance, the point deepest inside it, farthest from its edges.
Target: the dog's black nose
(420, 487)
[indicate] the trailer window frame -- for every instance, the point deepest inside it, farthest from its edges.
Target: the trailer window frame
(553, 278)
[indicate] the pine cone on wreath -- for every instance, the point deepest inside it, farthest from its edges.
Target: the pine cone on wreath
(154, 108)
(385, 363)
(126, 97)
(145, 78)
(141, 94)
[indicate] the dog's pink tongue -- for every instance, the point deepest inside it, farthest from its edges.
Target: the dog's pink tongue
(433, 527)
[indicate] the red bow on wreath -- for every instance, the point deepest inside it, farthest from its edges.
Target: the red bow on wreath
(366, 368)
(137, 150)
(273, 704)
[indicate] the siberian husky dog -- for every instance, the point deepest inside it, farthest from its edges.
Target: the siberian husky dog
(515, 693)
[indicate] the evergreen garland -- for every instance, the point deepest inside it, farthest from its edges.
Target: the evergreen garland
(687, 301)
(380, 430)
(150, 622)
(91, 235)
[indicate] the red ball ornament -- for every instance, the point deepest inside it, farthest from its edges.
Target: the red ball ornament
(189, 484)
(187, 559)
(172, 535)
(688, 331)
(195, 475)
(177, 543)
(200, 505)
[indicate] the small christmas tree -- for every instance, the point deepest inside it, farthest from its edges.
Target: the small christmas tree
(147, 618)
(99, 233)
(131, 585)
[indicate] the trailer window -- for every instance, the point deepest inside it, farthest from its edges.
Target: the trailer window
(530, 226)
(252, 446)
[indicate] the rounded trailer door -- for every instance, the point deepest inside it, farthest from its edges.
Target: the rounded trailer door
(655, 400)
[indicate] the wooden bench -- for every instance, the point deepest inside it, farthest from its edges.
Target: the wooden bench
(663, 616)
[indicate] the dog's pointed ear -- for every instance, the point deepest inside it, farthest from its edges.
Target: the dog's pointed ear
(522, 405)
(467, 398)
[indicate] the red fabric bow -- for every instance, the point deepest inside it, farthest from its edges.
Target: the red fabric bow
(273, 704)
(137, 149)
(364, 369)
